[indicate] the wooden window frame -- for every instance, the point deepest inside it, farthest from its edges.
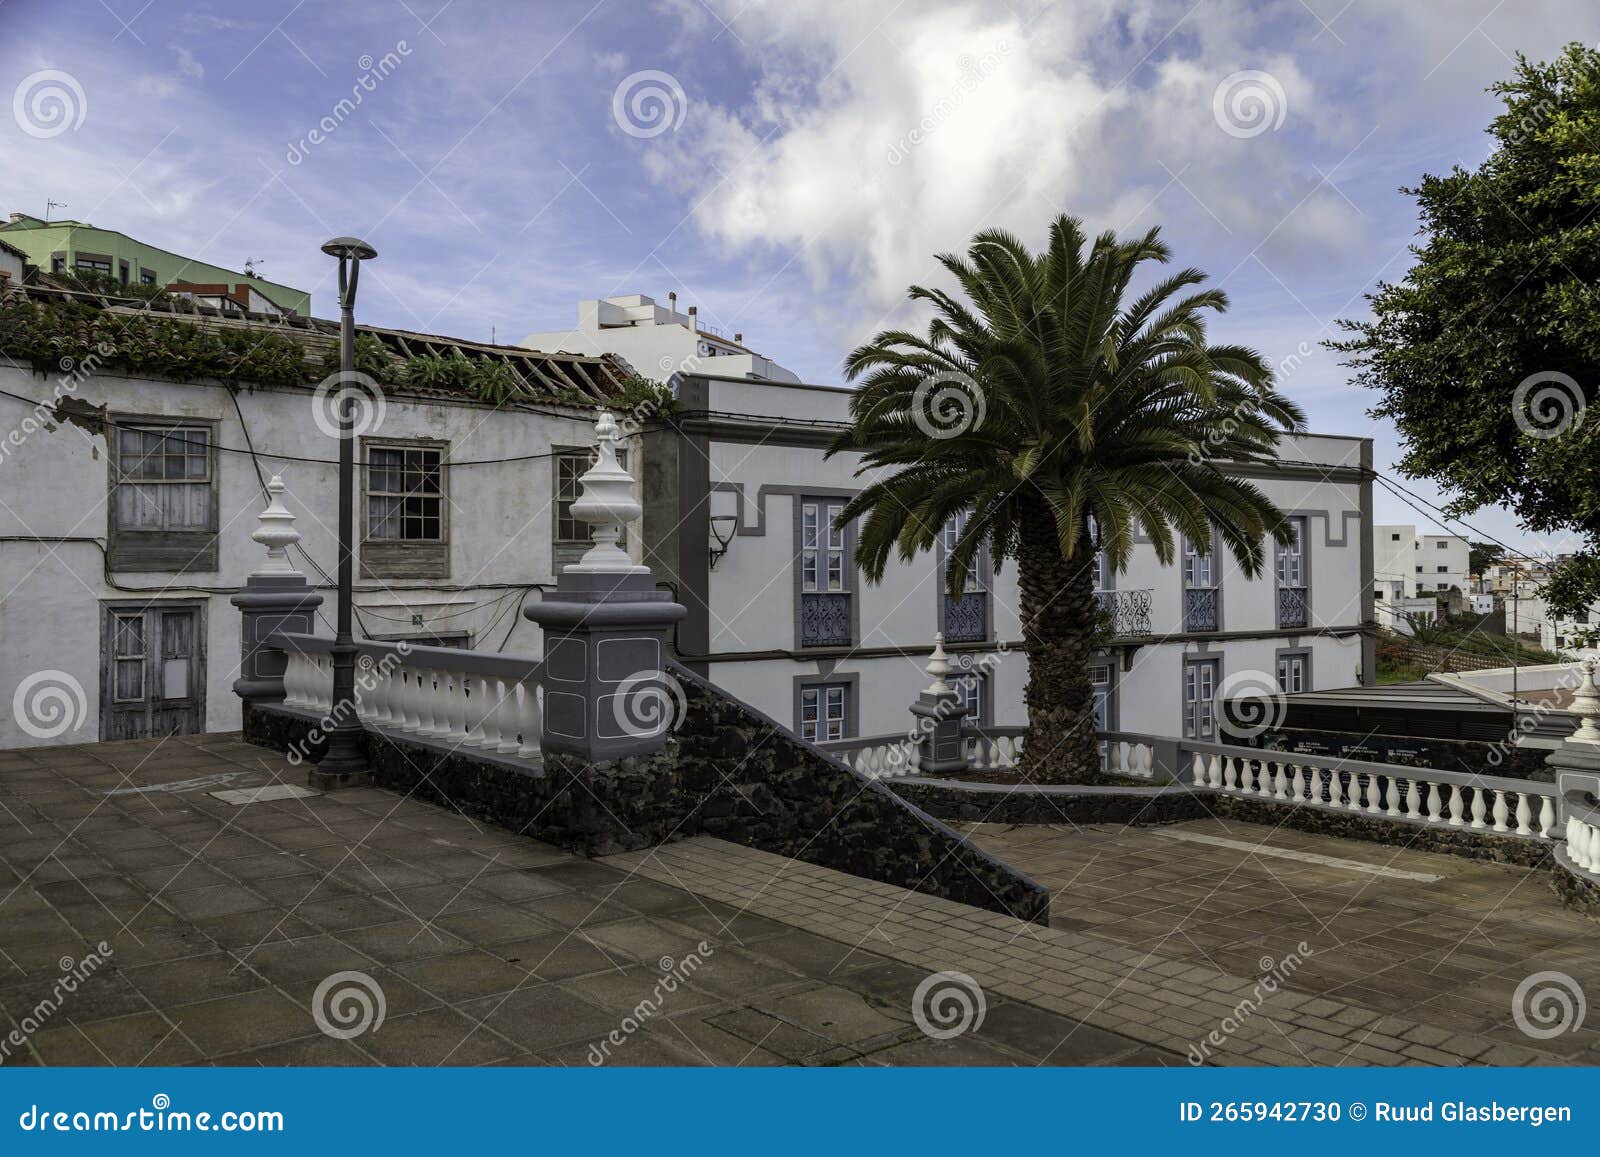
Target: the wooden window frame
(160, 551)
(404, 558)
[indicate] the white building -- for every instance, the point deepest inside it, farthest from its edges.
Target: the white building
(125, 529)
(1578, 636)
(658, 341)
(738, 500)
(1407, 564)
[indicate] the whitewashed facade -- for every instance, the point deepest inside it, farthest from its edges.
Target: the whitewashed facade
(780, 618)
(133, 622)
(1407, 564)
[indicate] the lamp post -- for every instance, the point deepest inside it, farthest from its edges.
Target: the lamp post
(344, 763)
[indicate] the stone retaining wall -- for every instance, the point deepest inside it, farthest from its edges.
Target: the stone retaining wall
(728, 771)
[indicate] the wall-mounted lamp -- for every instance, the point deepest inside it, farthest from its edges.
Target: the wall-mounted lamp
(722, 529)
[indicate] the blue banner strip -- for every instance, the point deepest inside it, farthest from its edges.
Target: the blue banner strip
(749, 1112)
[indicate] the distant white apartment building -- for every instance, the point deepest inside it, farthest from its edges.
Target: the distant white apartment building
(1407, 564)
(658, 341)
(739, 506)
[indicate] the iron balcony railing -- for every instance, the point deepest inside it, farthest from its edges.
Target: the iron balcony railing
(1129, 611)
(966, 619)
(1293, 610)
(1200, 609)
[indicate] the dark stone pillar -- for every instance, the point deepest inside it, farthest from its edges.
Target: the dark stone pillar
(607, 693)
(942, 746)
(268, 603)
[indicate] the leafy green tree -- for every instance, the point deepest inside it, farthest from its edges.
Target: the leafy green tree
(1480, 555)
(1062, 416)
(1487, 354)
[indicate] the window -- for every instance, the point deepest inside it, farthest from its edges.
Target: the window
(973, 687)
(1292, 672)
(1199, 589)
(1443, 569)
(407, 532)
(824, 712)
(1394, 538)
(1377, 592)
(147, 277)
(1293, 609)
(122, 272)
(163, 506)
(93, 264)
(1419, 570)
(965, 619)
(1200, 698)
(1442, 545)
(827, 612)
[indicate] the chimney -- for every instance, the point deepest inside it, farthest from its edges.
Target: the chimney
(738, 339)
(672, 302)
(694, 318)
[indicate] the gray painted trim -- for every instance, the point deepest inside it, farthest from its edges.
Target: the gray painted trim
(1306, 555)
(852, 579)
(852, 698)
(1195, 659)
(1369, 641)
(1302, 652)
(985, 576)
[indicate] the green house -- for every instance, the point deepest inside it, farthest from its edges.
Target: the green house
(65, 246)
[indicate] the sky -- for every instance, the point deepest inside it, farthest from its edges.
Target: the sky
(790, 167)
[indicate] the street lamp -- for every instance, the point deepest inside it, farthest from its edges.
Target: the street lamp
(345, 763)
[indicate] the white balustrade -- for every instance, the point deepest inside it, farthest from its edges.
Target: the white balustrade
(1418, 795)
(1583, 844)
(468, 700)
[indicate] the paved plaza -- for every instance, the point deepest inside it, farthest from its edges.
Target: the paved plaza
(222, 921)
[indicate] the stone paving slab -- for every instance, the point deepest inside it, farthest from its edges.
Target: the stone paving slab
(1165, 998)
(221, 921)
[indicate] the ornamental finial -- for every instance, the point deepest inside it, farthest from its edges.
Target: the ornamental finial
(939, 666)
(275, 531)
(1586, 705)
(607, 504)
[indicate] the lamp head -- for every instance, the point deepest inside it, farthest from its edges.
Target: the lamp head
(351, 247)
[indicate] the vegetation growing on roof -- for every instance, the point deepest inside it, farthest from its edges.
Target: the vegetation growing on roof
(53, 333)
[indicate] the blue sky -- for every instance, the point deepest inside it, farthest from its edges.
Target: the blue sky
(790, 167)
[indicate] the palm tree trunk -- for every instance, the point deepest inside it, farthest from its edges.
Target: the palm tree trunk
(1058, 629)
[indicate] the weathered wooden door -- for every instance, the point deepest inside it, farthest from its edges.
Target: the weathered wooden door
(153, 670)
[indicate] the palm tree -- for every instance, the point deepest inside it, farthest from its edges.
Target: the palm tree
(1057, 421)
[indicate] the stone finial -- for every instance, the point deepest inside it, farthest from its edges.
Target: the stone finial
(1586, 704)
(275, 531)
(939, 666)
(607, 504)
